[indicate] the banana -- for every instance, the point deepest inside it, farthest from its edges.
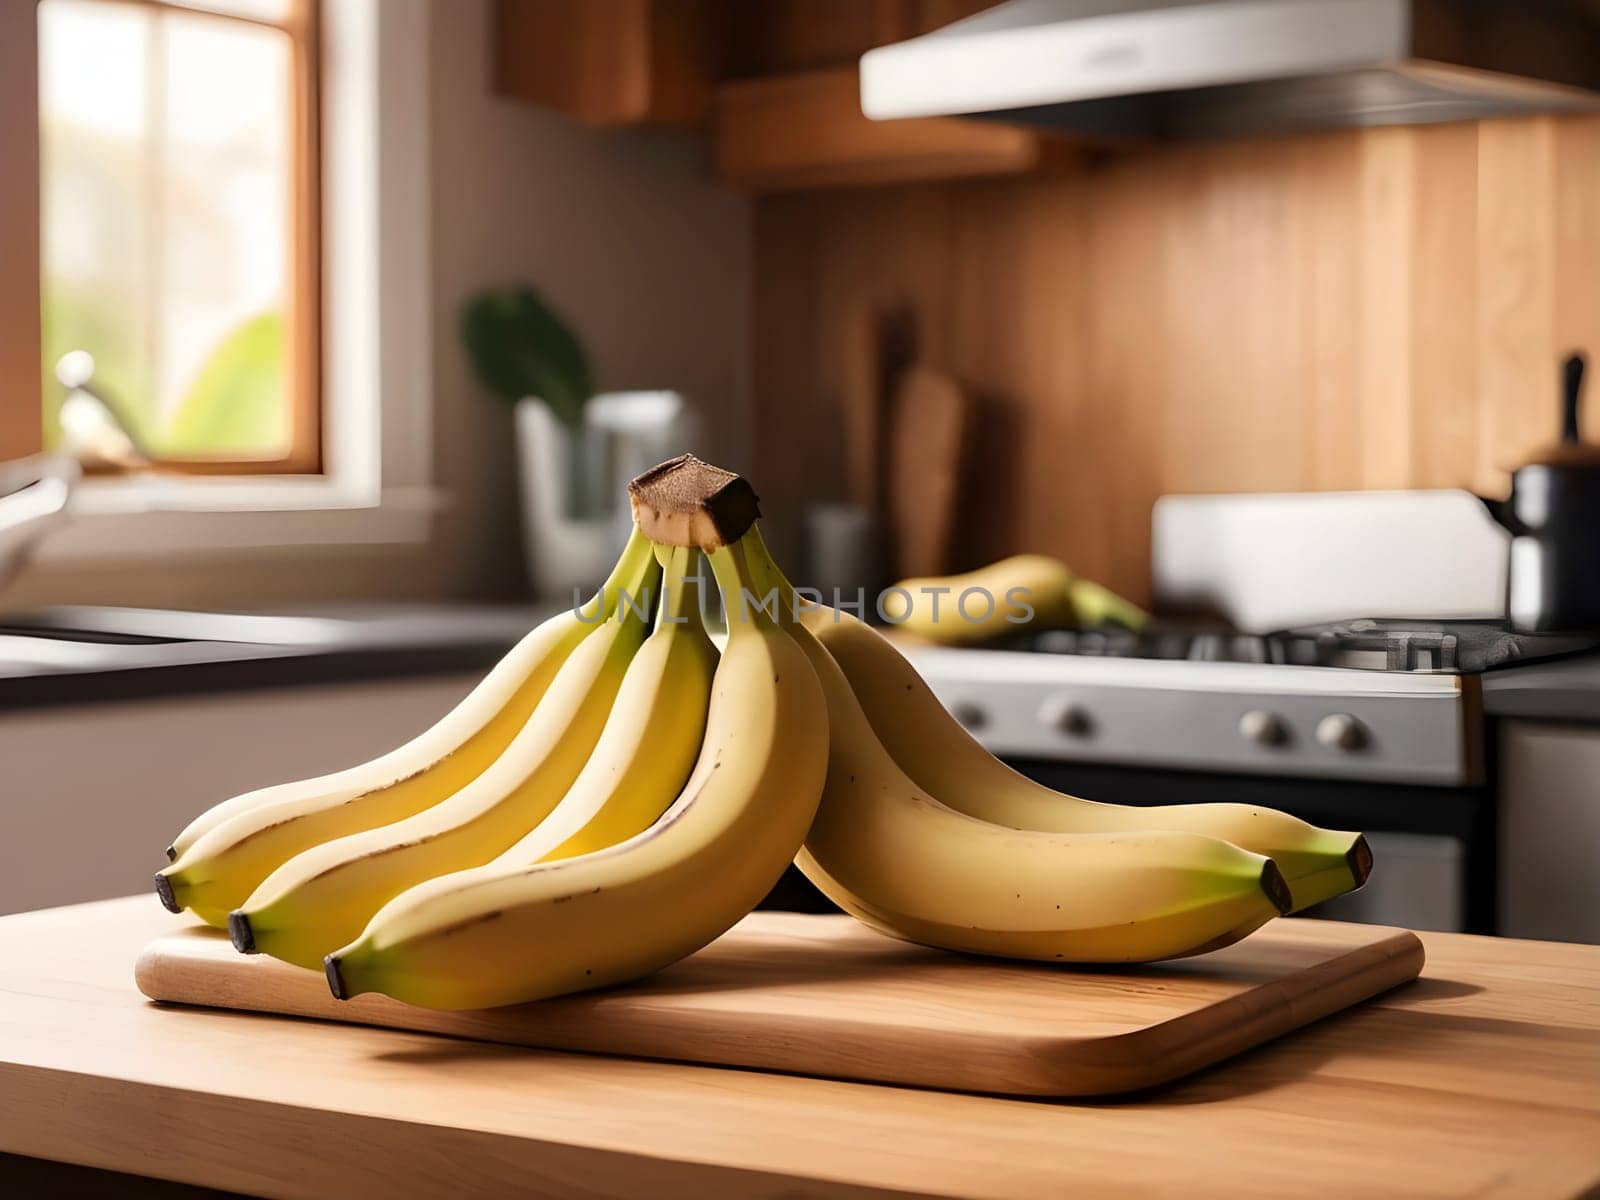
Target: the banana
(1095, 604)
(650, 744)
(932, 747)
(217, 871)
(323, 897)
(1024, 591)
(1112, 945)
(1004, 597)
(503, 935)
(892, 854)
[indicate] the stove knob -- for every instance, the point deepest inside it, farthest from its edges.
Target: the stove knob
(1063, 715)
(969, 714)
(1263, 728)
(1341, 731)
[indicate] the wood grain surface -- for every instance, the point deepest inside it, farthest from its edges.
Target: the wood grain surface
(1479, 1079)
(607, 62)
(929, 425)
(1364, 309)
(823, 995)
(862, 355)
(807, 130)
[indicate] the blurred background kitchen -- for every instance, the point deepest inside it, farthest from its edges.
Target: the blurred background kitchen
(330, 331)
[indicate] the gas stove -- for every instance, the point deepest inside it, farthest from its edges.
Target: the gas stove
(1348, 723)
(1452, 647)
(1380, 700)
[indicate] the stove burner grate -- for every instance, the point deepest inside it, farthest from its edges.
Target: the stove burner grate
(1443, 647)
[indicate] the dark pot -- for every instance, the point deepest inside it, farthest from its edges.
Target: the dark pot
(1553, 514)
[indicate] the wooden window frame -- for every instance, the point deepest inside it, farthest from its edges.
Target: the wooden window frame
(24, 431)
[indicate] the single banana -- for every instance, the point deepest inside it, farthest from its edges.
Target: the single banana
(884, 849)
(1000, 943)
(932, 747)
(1004, 597)
(1026, 591)
(651, 742)
(503, 935)
(323, 897)
(440, 759)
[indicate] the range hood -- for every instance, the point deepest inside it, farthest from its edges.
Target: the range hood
(1217, 68)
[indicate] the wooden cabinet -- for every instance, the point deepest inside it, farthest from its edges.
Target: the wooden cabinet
(609, 62)
(776, 37)
(94, 787)
(774, 83)
(794, 132)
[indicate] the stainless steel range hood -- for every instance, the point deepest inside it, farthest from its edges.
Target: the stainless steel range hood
(1211, 68)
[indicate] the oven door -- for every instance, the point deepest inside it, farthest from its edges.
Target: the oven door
(1421, 884)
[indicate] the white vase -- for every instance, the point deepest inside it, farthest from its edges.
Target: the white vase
(571, 538)
(575, 515)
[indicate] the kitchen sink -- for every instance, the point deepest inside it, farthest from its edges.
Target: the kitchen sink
(86, 638)
(71, 640)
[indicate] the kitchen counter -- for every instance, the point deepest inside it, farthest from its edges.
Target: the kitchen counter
(177, 653)
(124, 654)
(1482, 1079)
(1563, 689)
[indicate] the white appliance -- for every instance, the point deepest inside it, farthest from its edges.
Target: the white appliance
(1434, 555)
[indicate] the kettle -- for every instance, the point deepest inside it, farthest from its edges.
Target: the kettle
(1553, 515)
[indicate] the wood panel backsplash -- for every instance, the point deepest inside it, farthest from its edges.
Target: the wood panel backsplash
(1365, 309)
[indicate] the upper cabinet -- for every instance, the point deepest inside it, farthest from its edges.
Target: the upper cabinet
(610, 62)
(806, 130)
(774, 84)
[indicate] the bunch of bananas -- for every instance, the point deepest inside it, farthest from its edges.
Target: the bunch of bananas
(618, 792)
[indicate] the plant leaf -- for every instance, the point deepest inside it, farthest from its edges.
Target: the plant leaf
(236, 404)
(520, 347)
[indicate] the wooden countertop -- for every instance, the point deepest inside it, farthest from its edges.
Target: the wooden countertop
(1481, 1079)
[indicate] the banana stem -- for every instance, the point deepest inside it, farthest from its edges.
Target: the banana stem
(746, 597)
(628, 577)
(634, 601)
(680, 588)
(770, 576)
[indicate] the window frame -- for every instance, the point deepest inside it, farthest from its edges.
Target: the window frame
(376, 486)
(303, 292)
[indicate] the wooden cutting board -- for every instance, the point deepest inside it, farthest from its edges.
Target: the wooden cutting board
(823, 995)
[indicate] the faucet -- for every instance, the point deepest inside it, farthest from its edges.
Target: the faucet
(93, 428)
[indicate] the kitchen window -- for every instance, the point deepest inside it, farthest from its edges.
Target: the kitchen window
(229, 218)
(179, 232)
